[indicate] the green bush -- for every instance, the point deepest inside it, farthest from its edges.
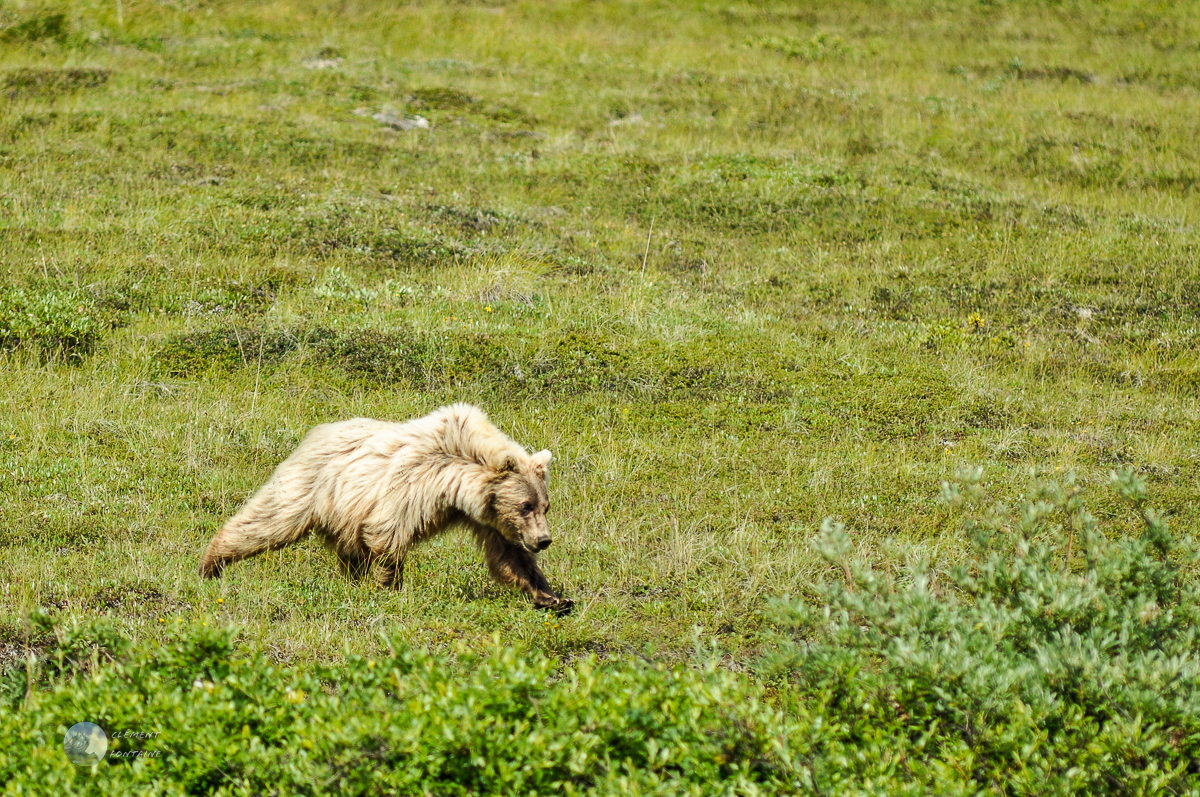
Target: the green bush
(410, 722)
(1056, 662)
(47, 26)
(52, 323)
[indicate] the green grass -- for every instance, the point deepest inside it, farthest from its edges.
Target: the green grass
(739, 267)
(1057, 661)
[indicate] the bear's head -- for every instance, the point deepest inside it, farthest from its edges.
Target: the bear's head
(519, 500)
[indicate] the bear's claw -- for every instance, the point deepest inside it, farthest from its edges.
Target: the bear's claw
(560, 606)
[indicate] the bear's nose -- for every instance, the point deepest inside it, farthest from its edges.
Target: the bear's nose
(543, 543)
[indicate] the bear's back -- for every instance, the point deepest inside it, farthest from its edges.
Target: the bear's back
(459, 431)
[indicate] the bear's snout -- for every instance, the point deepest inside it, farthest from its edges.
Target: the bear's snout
(543, 543)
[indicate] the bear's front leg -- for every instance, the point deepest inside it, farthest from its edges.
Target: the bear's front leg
(511, 564)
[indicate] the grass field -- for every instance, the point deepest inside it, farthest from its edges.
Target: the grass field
(740, 267)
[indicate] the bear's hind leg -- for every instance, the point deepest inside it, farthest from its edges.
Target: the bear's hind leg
(391, 572)
(257, 527)
(353, 566)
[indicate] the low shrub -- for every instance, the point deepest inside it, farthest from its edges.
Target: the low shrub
(52, 323)
(409, 722)
(46, 26)
(1055, 662)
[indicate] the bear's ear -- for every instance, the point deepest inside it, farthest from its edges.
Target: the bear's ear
(539, 462)
(508, 463)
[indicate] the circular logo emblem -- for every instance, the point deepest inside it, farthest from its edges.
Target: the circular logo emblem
(86, 743)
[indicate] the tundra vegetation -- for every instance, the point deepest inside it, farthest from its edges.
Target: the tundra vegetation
(927, 269)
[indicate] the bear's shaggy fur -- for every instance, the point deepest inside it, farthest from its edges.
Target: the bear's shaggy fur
(374, 489)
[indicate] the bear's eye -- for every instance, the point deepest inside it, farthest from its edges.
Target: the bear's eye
(526, 508)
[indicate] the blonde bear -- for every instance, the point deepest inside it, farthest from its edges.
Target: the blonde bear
(372, 490)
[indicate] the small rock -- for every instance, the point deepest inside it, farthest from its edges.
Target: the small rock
(321, 63)
(401, 123)
(632, 119)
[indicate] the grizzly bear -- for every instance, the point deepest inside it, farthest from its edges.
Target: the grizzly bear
(373, 489)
